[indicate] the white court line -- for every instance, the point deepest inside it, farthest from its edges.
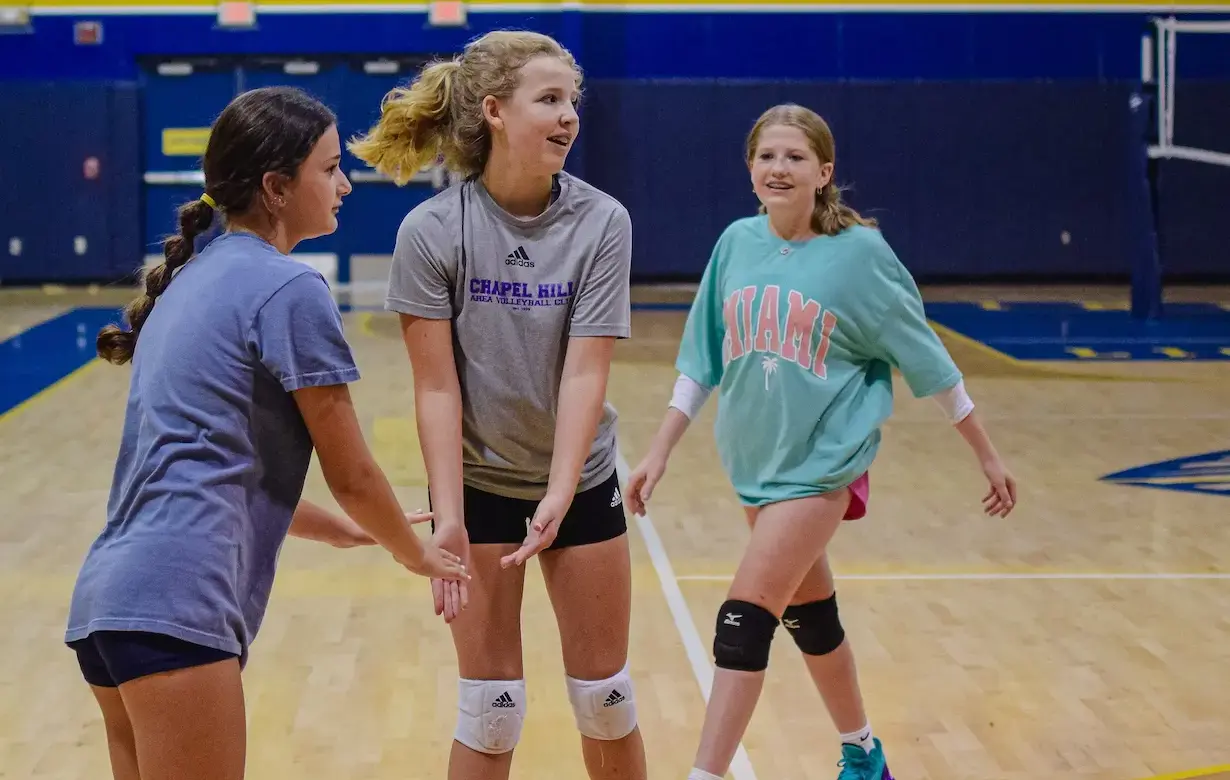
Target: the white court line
(992, 576)
(741, 766)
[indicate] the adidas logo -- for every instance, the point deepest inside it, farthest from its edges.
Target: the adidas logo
(518, 257)
(615, 499)
(615, 698)
(504, 700)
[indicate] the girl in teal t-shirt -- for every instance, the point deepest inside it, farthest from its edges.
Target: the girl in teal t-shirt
(802, 313)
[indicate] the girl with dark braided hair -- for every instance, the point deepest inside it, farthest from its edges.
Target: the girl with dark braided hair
(239, 371)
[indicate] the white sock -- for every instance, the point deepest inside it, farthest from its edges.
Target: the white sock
(700, 774)
(862, 738)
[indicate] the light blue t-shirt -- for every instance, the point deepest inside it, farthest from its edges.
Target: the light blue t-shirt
(799, 338)
(214, 452)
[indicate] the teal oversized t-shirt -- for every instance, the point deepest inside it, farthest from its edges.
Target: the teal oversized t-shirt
(799, 338)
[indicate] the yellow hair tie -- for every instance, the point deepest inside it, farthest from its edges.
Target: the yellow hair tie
(208, 201)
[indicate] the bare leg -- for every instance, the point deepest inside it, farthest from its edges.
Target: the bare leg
(121, 743)
(786, 541)
(834, 674)
(487, 637)
(590, 587)
(189, 724)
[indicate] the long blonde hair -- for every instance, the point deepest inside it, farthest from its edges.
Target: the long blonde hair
(441, 112)
(831, 215)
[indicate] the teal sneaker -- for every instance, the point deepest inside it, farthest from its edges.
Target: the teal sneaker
(858, 764)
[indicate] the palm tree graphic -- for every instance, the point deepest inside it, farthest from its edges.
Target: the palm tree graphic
(769, 364)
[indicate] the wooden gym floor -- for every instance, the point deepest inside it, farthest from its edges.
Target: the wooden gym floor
(1085, 637)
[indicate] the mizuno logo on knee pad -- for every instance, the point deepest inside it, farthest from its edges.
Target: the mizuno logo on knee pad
(743, 637)
(815, 626)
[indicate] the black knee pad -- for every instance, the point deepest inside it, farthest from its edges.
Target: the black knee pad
(815, 626)
(744, 634)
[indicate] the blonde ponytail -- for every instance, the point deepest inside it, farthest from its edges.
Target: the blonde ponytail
(415, 126)
(440, 115)
(831, 215)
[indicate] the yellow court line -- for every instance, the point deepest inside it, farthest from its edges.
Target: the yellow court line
(49, 389)
(975, 344)
(1190, 774)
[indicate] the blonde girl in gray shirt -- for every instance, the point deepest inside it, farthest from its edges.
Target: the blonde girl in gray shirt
(512, 287)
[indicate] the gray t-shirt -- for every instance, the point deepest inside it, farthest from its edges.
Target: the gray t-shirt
(214, 452)
(516, 290)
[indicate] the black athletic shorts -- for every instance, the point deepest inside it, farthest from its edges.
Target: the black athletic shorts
(596, 515)
(109, 659)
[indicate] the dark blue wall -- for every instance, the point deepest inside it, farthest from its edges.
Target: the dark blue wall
(48, 131)
(631, 45)
(978, 140)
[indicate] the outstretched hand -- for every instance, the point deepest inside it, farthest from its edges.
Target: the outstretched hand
(542, 530)
(451, 597)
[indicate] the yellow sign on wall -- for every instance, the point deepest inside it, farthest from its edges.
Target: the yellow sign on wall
(184, 141)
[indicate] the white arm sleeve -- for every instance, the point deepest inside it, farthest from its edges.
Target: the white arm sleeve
(689, 396)
(955, 402)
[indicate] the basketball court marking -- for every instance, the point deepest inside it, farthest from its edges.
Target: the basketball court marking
(741, 766)
(42, 393)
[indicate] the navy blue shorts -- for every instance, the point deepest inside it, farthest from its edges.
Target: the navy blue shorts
(109, 659)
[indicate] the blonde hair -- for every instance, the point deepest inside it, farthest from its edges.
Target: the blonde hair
(441, 113)
(831, 215)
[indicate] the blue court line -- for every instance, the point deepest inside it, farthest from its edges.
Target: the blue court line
(41, 356)
(661, 307)
(1077, 331)
(37, 358)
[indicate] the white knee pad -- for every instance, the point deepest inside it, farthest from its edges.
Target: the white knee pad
(604, 709)
(490, 714)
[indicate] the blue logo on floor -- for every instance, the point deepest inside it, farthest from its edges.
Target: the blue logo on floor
(1207, 473)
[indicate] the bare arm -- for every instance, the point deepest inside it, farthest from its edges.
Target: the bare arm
(673, 426)
(959, 409)
(587, 367)
(977, 438)
(437, 411)
(686, 401)
(320, 525)
(354, 478)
